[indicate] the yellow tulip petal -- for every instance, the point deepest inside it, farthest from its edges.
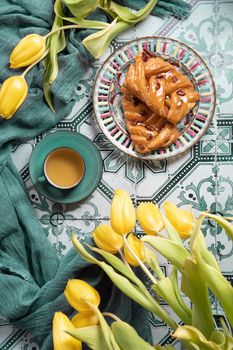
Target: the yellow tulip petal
(182, 220)
(79, 292)
(85, 319)
(62, 340)
(105, 238)
(149, 217)
(137, 247)
(122, 215)
(12, 94)
(27, 51)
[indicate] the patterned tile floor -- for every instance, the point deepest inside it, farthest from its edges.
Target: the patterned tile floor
(201, 177)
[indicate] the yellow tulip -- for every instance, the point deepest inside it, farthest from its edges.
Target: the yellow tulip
(85, 319)
(182, 220)
(62, 340)
(27, 51)
(150, 218)
(78, 293)
(105, 238)
(137, 247)
(122, 215)
(12, 94)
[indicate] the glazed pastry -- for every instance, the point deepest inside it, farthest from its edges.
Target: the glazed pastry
(147, 131)
(182, 102)
(157, 83)
(156, 96)
(136, 82)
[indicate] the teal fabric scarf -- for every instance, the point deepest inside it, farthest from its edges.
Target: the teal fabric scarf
(32, 278)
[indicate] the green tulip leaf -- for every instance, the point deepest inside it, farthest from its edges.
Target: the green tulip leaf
(135, 293)
(48, 96)
(211, 272)
(56, 43)
(194, 336)
(226, 225)
(171, 250)
(80, 8)
(165, 290)
(82, 23)
(118, 264)
(219, 338)
(106, 330)
(229, 343)
(104, 5)
(228, 335)
(125, 14)
(198, 246)
(97, 43)
(152, 262)
(92, 336)
(193, 284)
(220, 287)
(175, 285)
(127, 337)
(82, 251)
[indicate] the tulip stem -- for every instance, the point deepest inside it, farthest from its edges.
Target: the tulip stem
(228, 218)
(71, 26)
(34, 64)
(74, 26)
(124, 260)
(141, 264)
(211, 216)
(109, 314)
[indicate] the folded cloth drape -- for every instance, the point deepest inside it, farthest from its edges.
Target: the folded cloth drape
(32, 278)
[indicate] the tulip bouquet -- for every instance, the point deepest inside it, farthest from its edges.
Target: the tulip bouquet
(120, 251)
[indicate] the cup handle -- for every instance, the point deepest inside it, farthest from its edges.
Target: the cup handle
(41, 179)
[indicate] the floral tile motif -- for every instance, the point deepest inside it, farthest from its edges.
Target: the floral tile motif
(224, 57)
(224, 207)
(199, 30)
(224, 86)
(59, 231)
(224, 29)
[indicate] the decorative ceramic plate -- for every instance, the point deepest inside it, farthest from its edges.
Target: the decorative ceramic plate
(107, 96)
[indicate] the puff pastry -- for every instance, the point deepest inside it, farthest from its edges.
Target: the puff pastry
(154, 81)
(147, 130)
(156, 96)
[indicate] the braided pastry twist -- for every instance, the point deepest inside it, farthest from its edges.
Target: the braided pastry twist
(156, 96)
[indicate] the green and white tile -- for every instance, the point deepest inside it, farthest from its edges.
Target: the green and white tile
(224, 207)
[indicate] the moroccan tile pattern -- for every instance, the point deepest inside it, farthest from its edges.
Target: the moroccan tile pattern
(201, 177)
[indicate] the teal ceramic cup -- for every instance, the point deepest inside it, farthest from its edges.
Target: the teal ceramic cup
(92, 163)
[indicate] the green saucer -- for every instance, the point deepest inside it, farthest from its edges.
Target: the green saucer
(90, 155)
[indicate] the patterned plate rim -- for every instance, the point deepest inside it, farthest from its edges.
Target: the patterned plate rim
(150, 156)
